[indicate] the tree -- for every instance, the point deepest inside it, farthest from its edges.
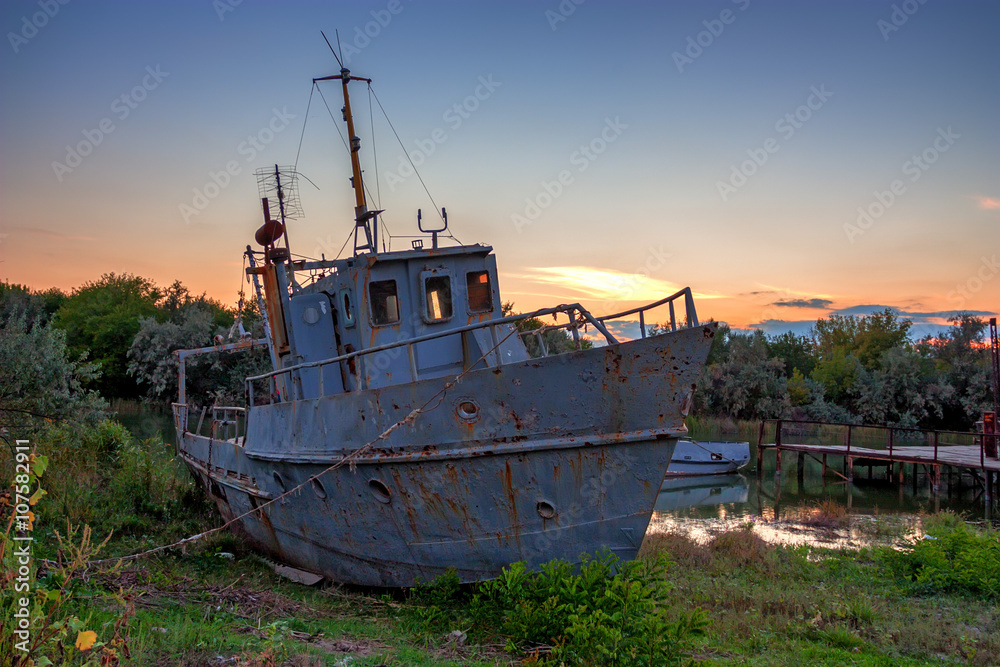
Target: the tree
(866, 337)
(897, 394)
(962, 369)
(838, 374)
(33, 307)
(747, 384)
(42, 382)
(101, 319)
(798, 352)
(210, 378)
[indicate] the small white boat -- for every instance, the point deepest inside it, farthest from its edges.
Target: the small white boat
(702, 457)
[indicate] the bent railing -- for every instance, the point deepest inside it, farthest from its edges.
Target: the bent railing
(690, 316)
(579, 316)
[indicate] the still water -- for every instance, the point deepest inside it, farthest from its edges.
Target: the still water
(748, 495)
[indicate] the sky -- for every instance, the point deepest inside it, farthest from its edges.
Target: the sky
(785, 160)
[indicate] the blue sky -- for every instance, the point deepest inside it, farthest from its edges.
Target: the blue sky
(786, 160)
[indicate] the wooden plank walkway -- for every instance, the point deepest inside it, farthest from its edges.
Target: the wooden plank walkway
(963, 456)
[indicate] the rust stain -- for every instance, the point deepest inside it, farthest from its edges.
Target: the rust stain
(508, 485)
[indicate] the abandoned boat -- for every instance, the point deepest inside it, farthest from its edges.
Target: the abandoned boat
(706, 457)
(464, 450)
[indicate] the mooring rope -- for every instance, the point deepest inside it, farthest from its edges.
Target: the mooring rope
(721, 457)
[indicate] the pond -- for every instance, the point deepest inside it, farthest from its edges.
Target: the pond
(705, 504)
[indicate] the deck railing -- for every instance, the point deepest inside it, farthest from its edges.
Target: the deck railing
(578, 318)
(690, 316)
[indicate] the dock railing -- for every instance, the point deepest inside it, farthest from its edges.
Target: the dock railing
(874, 437)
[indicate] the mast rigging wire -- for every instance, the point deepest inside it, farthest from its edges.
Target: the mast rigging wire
(437, 209)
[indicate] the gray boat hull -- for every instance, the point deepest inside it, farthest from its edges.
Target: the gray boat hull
(560, 456)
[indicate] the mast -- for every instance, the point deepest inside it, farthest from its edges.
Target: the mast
(362, 216)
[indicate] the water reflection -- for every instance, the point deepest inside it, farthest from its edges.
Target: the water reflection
(705, 490)
(808, 507)
(804, 486)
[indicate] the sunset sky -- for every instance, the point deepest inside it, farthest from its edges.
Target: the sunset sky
(786, 160)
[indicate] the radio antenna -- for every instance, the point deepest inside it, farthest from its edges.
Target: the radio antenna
(331, 47)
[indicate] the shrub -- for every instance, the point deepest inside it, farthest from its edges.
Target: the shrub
(952, 557)
(608, 613)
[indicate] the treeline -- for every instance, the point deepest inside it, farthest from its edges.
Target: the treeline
(852, 369)
(113, 338)
(63, 355)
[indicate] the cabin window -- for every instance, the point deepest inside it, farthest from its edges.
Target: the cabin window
(384, 303)
(477, 285)
(437, 296)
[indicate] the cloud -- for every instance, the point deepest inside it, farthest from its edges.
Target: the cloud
(804, 303)
(623, 329)
(989, 204)
(51, 235)
(787, 292)
(588, 282)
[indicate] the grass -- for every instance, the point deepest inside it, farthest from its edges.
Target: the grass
(766, 605)
(777, 605)
(763, 604)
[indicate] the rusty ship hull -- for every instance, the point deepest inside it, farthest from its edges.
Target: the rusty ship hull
(531, 460)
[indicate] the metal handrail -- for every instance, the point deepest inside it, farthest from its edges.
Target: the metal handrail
(691, 316)
(578, 316)
(491, 324)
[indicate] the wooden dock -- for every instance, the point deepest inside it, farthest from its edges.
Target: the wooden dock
(978, 460)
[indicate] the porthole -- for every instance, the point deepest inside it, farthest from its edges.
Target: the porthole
(545, 509)
(380, 491)
(468, 410)
(318, 489)
(346, 307)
